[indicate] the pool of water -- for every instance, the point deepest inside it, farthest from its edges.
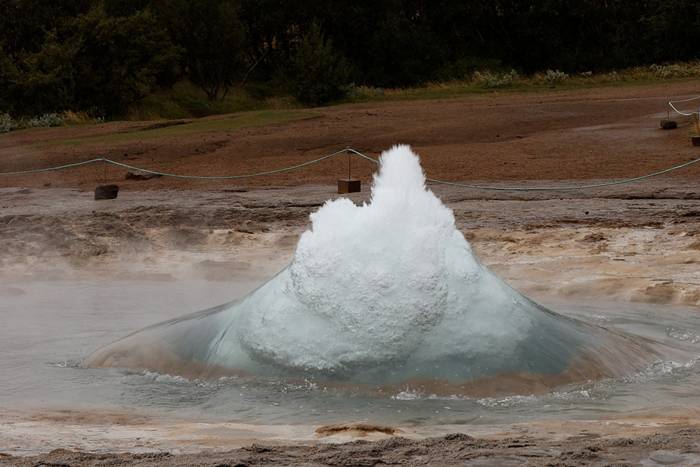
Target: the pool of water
(48, 327)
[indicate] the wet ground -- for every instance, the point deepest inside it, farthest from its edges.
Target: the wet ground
(615, 257)
(635, 243)
(668, 445)
(625, 257)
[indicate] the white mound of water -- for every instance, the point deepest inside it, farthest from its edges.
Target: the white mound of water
(370, 283)
(384, 292)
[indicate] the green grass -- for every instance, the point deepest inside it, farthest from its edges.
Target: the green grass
(214, 124)
(186, 100)
(536, 83)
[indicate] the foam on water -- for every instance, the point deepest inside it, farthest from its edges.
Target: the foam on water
(385, 293)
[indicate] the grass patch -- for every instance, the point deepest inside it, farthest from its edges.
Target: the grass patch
(186, 100)
(206, 125)
(484, 82)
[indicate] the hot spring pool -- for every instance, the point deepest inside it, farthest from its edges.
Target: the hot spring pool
(50, 327)
(384, 297)
(384, 315)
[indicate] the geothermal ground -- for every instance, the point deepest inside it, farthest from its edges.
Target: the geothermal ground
(631, 243)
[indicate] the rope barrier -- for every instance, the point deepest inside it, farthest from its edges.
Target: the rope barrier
(353, 152)
(571, 187)
(547, 188)
(230, 177)
(172, 175)
(52, 169)
(686, 100)
(679, 112)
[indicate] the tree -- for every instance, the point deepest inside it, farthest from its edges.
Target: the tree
(317, 73)
(76, 55)
(119, 60)
(8, 80)
(45, 82)
(35, 68)
(212, 39)
(107, 54)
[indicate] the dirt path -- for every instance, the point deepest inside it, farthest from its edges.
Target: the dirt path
(595, 133)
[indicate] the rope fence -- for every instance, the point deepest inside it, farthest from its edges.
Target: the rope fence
(55, 168)
(672, 104)
(358, 154)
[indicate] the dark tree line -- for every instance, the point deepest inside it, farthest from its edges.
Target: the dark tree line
(103, 55)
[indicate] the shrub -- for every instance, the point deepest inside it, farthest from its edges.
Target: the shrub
(612, 76)
(463, 68)
(43, 121)
(676, 70)
(555, 76)
(7, 124)
(490, 79)
(70, 117)
(355, 92)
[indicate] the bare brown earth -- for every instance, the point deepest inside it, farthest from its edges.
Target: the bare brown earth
(558, 135)
(627, 243)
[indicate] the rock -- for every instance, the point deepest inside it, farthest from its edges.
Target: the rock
(136, 175)
(668, 124)
(594, 237)
(106, 192)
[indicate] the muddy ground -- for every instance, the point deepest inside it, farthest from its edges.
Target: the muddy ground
(672, 447)
(638, 243)
(633, 243)
(627, 243)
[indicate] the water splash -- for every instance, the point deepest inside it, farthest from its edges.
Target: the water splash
(384, 293)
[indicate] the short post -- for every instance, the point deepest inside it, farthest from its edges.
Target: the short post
(349, 185)
(667, 123)
(106, 191)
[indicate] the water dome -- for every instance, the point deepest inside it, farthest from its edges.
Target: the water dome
(384, 294)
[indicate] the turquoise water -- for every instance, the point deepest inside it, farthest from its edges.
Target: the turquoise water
(50, 326)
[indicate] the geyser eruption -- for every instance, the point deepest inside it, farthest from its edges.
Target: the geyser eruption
(386, 293)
